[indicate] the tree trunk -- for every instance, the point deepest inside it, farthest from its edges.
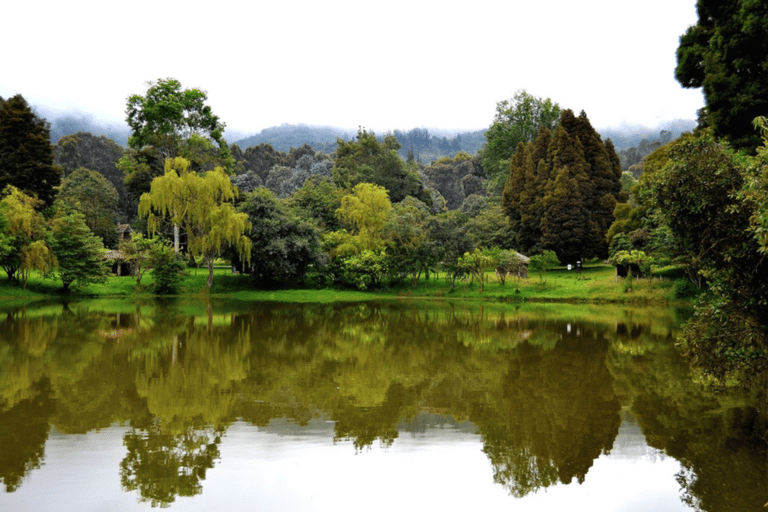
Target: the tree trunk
(210, 272)
(176, 237)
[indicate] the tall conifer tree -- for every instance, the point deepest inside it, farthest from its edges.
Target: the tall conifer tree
(591, 167)
(26, 153)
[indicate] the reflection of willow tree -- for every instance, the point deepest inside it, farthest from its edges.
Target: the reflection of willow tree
(162, 465)
(190, 374)
(23, 433)
(187, 371)
(555, 415)
(720, 442)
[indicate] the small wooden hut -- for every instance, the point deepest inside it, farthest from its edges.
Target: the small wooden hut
(119, 264)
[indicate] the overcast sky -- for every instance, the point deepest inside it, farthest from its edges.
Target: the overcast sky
(383, 65)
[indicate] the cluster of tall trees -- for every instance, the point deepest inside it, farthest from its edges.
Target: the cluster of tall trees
(562, 190)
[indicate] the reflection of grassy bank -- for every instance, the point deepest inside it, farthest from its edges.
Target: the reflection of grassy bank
(596, 283)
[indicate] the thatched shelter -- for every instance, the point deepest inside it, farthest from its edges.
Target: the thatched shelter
(120, 265)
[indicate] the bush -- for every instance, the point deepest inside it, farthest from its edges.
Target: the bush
(685, 289)
(168, 269)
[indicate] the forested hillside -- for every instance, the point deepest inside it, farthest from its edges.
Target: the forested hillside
(420, 144)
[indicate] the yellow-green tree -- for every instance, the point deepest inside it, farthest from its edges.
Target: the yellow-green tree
(24, 234)
(203, 205)
(366, 210)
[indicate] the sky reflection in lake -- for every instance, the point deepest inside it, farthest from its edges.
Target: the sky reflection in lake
(440, 469)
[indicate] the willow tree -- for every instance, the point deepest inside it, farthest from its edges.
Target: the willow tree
(203, 205)
(23, 236)
(366, 210)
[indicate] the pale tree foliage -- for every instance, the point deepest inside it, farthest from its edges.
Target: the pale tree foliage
(25, 232)
(35, 256)
(366, 209)
(203, 205)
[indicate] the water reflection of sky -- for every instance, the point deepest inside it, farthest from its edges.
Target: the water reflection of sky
(286, 468)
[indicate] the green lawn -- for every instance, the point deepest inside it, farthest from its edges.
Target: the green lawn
(595, 283)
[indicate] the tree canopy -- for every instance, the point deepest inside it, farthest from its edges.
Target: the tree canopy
(174, 120)
(517, 120)
(91, 194)
(203, 205)
(366, 160)
(26, 153)
(562, 190)
(726, 54)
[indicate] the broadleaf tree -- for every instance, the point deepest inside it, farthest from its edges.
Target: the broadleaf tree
(726, 54)
(516, 120)
(168, 117)
(203, 205)
(79, 253)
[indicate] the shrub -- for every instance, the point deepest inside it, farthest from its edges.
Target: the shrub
(168, 269)
(685, 289)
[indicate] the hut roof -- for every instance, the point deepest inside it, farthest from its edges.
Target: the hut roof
(114, 255)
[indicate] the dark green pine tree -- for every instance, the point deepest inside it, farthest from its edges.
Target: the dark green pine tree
(513, 189)
(602, 190)
(26, 153)
(566, 225)
(531, 204)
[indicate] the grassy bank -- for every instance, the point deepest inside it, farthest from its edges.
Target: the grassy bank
(595, 283)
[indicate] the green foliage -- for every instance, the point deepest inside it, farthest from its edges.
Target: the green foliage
(475, 263)
(168, 269)
(509, 263)
(26, 154)
(517, 120)
(726, 54)
(137, 252)
(700, 191)
(619, 243)
(455, 179)
(366, 160)
(203, 205)
(92, 195)
(317, 201)
(169, 117)
(685, 289)
(283, 247)
(80, 254)
(22, 238)
(365, 270)
(100, 154)
(562, 191)
(405, 232)
(447, 242)
(365, 210)
(543, 263)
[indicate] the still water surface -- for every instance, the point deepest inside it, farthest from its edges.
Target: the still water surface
(373, 406)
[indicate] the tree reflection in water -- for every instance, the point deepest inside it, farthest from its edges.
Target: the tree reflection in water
(164, 465)
(544, 387)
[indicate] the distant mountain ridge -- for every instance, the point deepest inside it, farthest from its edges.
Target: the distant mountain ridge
(628, 136)
(323, 138)
(287, 136)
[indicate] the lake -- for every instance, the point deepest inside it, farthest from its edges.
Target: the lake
(222, 405)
